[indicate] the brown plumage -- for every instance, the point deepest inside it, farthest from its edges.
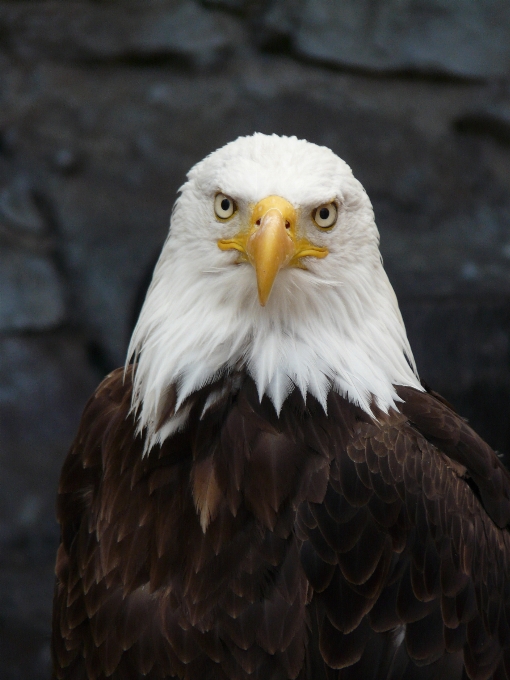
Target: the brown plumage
(301, 546)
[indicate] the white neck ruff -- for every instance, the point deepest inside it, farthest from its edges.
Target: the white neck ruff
(345, 335)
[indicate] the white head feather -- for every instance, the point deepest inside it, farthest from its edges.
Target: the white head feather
(335, 326)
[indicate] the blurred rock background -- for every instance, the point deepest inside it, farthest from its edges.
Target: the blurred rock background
(105, 105)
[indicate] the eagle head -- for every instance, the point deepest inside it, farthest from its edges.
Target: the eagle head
(271, 268)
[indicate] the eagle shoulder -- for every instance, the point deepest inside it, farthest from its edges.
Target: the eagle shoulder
(436, 420)
(408, 566)
(185, 561)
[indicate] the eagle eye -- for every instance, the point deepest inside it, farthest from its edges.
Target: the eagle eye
(325, 215)
(224, 207)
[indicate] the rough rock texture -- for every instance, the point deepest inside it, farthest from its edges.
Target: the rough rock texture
(104, 106)
(453, 37)
(90, 32)
(45, 379)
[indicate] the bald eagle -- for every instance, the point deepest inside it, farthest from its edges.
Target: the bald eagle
(266, 490)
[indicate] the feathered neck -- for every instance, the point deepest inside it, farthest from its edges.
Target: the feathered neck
(314, 335)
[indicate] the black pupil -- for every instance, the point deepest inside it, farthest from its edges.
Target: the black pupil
(323, 213)
(225, 204)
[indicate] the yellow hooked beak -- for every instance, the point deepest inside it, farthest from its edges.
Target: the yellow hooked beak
(271, 243)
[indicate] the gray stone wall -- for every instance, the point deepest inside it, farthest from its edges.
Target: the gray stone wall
(105, 105)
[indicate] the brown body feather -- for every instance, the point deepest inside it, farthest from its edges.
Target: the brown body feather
(301, 546)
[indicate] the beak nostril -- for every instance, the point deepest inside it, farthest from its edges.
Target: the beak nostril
(257, 223)
(287, 225)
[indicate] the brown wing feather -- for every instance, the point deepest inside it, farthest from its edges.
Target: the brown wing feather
(444, 428)
(300, 546)
(185, 563)
(409, 542)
